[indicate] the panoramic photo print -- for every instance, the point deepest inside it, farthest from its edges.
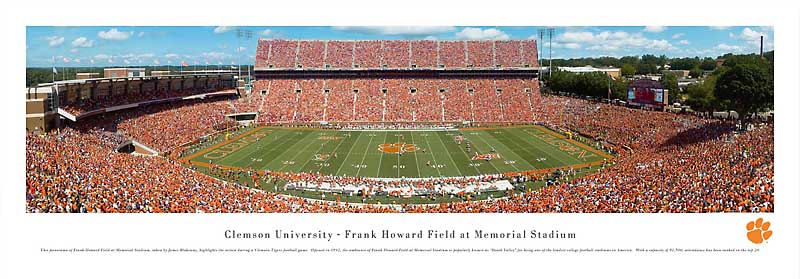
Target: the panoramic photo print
(417, 119)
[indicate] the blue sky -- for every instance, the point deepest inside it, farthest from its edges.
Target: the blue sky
(151, 45)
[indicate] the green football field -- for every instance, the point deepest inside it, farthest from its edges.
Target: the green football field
(391, 154)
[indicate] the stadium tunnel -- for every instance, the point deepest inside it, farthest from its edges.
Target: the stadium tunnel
(135, 147)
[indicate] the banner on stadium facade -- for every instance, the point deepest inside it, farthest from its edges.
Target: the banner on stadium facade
(659, 95)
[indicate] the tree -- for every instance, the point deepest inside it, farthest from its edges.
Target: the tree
(700, 96)
(747, 88)
(696, 72)
(646, 68)
(684, 63)
(619, 88)
(708, 64)
(628, 70)
(670, 82)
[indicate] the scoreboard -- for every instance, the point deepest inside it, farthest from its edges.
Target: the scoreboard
(647, 93)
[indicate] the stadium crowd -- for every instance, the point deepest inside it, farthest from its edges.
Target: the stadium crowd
(666, 162)
(676, 163)
(79, 106)
(396, 54)
(391, 100)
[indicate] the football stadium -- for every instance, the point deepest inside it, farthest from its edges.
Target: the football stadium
(416, 126)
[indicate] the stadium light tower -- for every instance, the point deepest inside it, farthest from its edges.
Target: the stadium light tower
(540, 51)
(247, 35)
(550, 32)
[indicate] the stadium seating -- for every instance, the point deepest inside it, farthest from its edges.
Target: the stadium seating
(339, 54)
(367, 54)
(395, 54)
(341, 98)
(666, 162)
(404, 100)
(678, 163)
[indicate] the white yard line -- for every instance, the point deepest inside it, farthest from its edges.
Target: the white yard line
(453, 161)
(434, 157)
(381, 160)
(348, 155)
(363, 157)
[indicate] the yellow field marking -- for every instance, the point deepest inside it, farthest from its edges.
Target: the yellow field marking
(593, 150)
(218, 145)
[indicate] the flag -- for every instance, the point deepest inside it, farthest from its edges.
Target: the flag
(184, 64)
(55, 71)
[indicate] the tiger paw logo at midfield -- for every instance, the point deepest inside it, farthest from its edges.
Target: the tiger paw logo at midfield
(485, 156)
(397, 148)
(321, 157)
(758, 231)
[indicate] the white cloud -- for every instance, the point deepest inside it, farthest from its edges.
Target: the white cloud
(678, 35)
(654, 29)
(77, 60)
(659, 44)
(146, 55)
(563, 45)
(102, 57)
(214, 55)
(265, 33)
(54, 41)
(603, 47)
(412, 31)
(91, 61)
(240, 49)
(114, 34)
(171, 56)
(126, 61)
(611, 41)
(141, 33)
(719, 27)
(82, 42)
(470, 33)
(748, 34)
(683, 42)
(74, 50)
(576, 37)
(223, 29)
(727, 47)
(430, 38)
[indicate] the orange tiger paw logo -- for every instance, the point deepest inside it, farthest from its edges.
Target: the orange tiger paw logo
(758, 231)
(397, 148)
